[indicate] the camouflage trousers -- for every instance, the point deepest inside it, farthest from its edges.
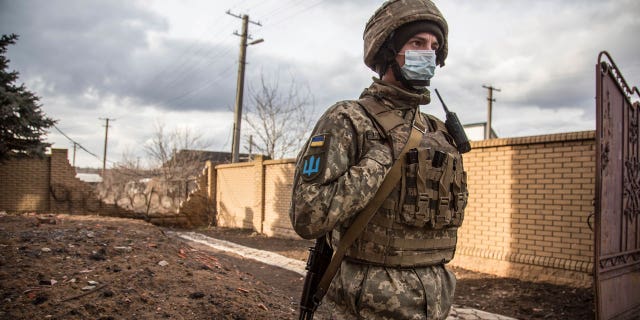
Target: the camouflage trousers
(361, 291)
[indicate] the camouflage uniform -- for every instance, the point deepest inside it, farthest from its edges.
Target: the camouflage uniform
(354, 158)
(395, 269)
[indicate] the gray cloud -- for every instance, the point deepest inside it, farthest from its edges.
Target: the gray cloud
(134, 61)
(72, 47)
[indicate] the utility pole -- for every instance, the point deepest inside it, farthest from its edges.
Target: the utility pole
(75, 144)
(106, 137)
(250, 147)
(237, 119)
(490, 99)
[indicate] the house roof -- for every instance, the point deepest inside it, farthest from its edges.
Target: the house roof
(89, 177)
(475, 131)
(215, 157)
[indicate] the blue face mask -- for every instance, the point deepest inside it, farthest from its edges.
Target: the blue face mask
(419, 64)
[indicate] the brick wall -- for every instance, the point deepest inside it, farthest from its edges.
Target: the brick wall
(198, 209)
(278, 185)
(49, 184)
(530, 199)
(24, 184)
(255, 195)
(239, 195)
(68, 193)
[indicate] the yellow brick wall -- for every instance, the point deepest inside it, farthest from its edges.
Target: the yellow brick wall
(530, 199)
(43, 184)
(69, 194)
(277, 189)
(49, 184)
(24, 185)
(238, 196)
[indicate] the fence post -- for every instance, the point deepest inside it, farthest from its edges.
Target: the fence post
(259, 167)
(211, 192)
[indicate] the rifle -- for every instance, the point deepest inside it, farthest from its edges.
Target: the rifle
(319, 258)
(455, 128)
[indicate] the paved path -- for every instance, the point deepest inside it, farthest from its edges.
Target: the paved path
(297, 266)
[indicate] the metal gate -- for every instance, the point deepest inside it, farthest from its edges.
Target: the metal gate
(617, 206)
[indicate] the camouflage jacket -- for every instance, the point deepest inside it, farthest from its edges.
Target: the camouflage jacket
(347, 163)
(337, 174)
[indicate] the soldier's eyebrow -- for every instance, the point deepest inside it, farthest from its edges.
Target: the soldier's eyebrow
(423, 39)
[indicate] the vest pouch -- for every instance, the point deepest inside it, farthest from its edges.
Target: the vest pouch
(416, 208)
(408, 212)
(446, 200)
(462, 196)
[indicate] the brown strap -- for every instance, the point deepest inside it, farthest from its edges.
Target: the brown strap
(387, 118)
(363, 218)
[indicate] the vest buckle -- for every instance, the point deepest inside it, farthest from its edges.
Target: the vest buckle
(444, 201)
(419, 126)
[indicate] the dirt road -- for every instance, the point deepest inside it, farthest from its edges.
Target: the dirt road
(90, 267)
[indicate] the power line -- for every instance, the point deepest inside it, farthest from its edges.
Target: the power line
(294, 13)
(180, 73)
(76, 143)
(254, 6)
(279, 9)
(207, 84)
(214, 55)
(178, 63)
(185, 73)
(183, 66)
(285, 15)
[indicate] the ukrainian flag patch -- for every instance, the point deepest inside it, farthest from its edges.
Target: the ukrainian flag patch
(317, 141)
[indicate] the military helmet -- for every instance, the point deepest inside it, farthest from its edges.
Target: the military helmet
(393, 14)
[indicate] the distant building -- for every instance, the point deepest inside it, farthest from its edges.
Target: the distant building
(216, 157)
(90, 178)
(475, 131)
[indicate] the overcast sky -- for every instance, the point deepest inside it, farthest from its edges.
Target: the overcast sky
(175, 62)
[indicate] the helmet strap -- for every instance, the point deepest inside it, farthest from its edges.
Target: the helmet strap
(387, 56)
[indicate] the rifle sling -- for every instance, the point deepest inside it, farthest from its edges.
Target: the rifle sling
(363, 218)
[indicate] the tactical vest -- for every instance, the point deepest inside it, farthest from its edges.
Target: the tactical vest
(417, 224)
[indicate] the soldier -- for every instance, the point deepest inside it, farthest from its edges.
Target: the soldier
(395, 268)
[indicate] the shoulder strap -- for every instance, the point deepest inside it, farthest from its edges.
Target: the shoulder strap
(363, 218)
(385, 117)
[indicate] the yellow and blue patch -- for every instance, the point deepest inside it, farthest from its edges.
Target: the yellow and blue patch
(317, 141)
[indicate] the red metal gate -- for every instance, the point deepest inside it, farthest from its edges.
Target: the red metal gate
(617, 206)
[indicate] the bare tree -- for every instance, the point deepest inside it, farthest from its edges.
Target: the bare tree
(176, 161)
(279, 119)
(176, 154)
